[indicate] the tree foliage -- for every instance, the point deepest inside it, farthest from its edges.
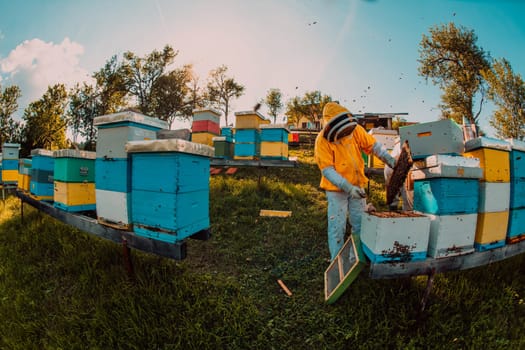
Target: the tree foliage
(507, 90)
(45, 121)
(221, 89)
(143, 72)
(310, 106)
(454, 62)
(9, 128)
(173, 95)
(273, 102)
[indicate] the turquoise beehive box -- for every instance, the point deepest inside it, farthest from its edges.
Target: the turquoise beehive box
(169, 188)
(42, 174)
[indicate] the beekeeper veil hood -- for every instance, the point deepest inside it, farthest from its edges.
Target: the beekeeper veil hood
(339, 122)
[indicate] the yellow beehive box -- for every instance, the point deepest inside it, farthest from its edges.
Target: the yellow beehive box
(495, 164)
(74, 193)
(9, 175)
(205, 138)
(491, 230)
(249, 120)
(274, 150)
(23, 182)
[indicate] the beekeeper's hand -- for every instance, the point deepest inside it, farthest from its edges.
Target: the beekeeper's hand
(356, 192)
(337, 179)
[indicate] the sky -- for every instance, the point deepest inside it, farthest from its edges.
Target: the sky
(363, 53)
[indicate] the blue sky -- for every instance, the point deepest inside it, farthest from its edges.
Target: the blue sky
(361, 52)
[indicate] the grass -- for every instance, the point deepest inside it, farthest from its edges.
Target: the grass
(64, 289)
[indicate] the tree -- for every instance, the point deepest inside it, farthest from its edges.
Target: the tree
(8, 105)
(172, 96)
(142, 73)
(507, 91)
(451, 58)
(274, 103)
(221, 90)
(310, 106)
(87, 102)
(46, 124)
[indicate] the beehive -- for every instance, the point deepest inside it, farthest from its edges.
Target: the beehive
(451, 235)
(207, 114)
(24, 174)
(205, 138)
(493, 155)
(227, 132)
(74, 180)
(274, 150)
(247, 136)
(491, 230)
(206, 126)
(446, 196)
(517, 174)
(248, 120)
(112, 166)
(170, 188)
(426, 139)
(246, 150)
(393, 236)
(447, 166)
(10, 151)
(10, 171)
(42, 170)
(516, 227)
(274, 141)
(494, 197)
(223, 147)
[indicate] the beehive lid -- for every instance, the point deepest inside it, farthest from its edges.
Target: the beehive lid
(487, 142)
(275, 126)
(130, 116)
(443, 159)
(248, 113)
(381, 131)
(517, 144)
(73, 153)
(206, 110)
(11, 145)
(42, 152)
(169, 145)
(344, 269)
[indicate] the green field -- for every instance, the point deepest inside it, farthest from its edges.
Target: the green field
(64, 289)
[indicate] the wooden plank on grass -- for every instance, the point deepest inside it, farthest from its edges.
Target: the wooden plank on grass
(278, 213)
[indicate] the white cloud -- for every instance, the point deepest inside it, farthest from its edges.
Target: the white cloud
(34, 65)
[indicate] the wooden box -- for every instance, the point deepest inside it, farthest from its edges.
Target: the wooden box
(451, 235)
(516, 227)
(447, 166)
(440, 137)
(10, 164)
(207, 114)
(493, 155)
(114, 130)
(517, 159)
(10, 151)
(74, 197)
(248, 120)
(223, 147)
(274, 133)
(42, 170)
(491, 230)
(74, 166)
(517, 193)
(41, 190)
(244, 150)
(274, 150)
(247, 136)
(9, 176)
(393, 236)
(24, 182)
(494, 196)
(113, 174)
(228, 133)
(205, 126)
(446, 196)
(205, 138)
(113, 208)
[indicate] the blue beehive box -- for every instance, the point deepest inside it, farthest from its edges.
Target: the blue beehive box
(169, 188)
(113, 174)
(42, 174)
(445, 196)
(516, 227)
(274, 133)
(249, 150)
(247, 136)
(517, 159)
(228, 133)
(10, 164)
(517, 193)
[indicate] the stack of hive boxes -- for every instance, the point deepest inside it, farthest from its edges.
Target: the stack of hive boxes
(247, 135)
(206, 126)
(385, 137)
(494, 190)
(74, 180)
(24, 174)
(42, 169)
(0, 168)
(274, 141)
(516, 229)
(10, 163)
(446, 190)
(112, 166)
(169, 188)
(224, 144)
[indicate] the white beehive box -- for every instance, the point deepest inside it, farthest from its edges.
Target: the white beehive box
(114, 130)
(385, 137)
(494, 197)
(451, 235)
(113, 208)
(392, 236)
(447, 166)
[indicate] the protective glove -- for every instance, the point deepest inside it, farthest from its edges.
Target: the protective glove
(381, 153)
(338, 180)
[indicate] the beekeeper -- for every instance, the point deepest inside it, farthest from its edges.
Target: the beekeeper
(337, 152)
